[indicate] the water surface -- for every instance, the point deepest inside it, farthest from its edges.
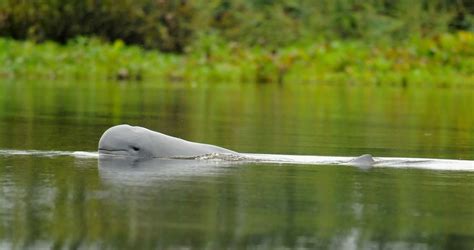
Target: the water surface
(65, 201)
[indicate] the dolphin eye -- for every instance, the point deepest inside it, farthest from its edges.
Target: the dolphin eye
(135, 148)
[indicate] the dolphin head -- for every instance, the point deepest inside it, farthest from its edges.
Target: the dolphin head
(126, 140)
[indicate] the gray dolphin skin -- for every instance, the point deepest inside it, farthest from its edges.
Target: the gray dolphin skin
(363, 161)
(139, 144)
(142, 143)
(126, 140)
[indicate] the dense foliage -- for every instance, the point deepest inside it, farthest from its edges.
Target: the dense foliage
(442, 60)
(153, 24)
(172, 25)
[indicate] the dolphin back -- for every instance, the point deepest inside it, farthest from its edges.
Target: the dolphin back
(165, 146)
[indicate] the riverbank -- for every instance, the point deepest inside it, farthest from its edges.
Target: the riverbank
(444, 60)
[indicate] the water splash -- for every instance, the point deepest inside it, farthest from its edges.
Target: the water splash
(217, 157)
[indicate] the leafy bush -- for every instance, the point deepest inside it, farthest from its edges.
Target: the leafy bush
(173, 25)
(153, 24)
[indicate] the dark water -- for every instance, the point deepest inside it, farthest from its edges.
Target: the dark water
(69, 202)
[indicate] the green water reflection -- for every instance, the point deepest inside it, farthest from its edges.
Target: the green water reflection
(66, 202)
(294, 119)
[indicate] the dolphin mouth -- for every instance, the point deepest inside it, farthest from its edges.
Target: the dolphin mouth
(106, 151)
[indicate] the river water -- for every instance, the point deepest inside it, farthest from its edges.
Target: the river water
(51, 197)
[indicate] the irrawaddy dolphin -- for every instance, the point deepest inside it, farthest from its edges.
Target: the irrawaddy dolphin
(139, 142)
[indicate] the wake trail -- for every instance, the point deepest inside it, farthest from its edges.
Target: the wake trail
(386, 162)
(48, 153)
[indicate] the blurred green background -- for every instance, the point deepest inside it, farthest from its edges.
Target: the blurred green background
(174, 25)
(376, 41)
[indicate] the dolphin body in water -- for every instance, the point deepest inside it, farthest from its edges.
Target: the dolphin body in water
(139, 142)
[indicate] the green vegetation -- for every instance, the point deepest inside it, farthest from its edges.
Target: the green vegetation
(173, 25)
(446, 59)
(377, 41)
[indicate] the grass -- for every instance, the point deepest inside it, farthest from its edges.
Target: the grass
(442, 60)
